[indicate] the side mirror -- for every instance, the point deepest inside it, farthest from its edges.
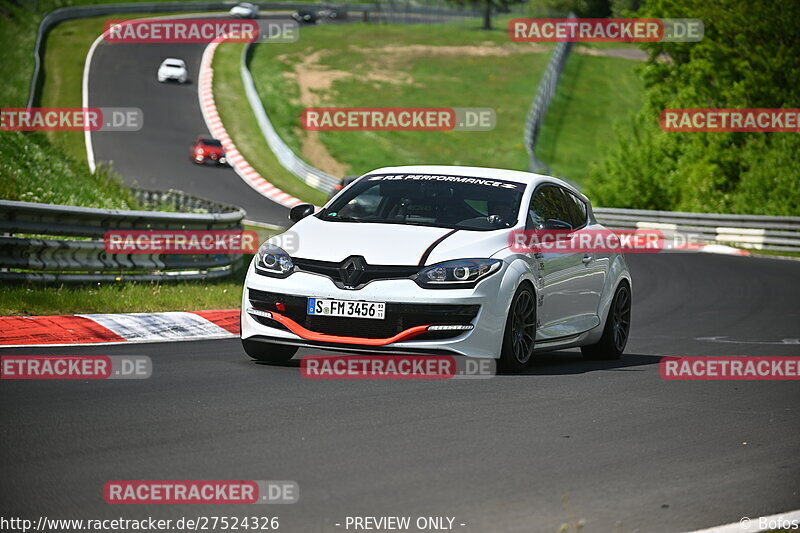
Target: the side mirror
(299, 212)
(552, 223)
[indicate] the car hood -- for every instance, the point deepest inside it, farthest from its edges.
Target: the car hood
(386, 244)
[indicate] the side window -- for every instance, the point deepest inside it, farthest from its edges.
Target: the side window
(547, 203)
(576, 210)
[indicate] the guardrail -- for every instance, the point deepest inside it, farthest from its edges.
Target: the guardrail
(312, 176)
(29, 250)
(779, 234)
(541, 102)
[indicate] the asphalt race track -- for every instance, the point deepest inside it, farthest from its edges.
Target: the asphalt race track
(157, 156)
(610, 443)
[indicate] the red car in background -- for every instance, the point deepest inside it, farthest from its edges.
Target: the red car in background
(205, 149)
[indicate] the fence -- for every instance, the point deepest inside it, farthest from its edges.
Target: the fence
(427, 12)
(544, 95)
(779, 234)
(29, 250)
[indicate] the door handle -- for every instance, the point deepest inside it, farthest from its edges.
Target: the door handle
(587, 259)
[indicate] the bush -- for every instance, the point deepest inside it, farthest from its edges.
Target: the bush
(747, 59)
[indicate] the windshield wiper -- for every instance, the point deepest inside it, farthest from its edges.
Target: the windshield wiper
(344, 219)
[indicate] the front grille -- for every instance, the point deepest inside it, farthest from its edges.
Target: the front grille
(333, 271)
(399, 317)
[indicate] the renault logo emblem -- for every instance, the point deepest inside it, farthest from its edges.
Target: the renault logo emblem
(352, 269)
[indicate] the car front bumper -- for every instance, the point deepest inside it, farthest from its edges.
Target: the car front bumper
(172, 77)
(203, 159)
(409, 310)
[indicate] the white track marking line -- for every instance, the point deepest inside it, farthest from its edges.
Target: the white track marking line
(87, 134)
(752, 525)
(159, 326)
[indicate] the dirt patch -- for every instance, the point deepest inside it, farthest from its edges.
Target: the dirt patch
(315, 80)
(385, 64)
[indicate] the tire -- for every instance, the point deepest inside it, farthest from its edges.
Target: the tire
(519, 337)
(268, 353)
(617, 328)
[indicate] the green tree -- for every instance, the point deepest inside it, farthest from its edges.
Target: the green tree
(747, 59)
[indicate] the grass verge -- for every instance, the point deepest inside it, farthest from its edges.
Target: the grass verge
(449, 65)
(128, 297)
(33, 170)
(363, 65)
(17, 39)
(593, 94)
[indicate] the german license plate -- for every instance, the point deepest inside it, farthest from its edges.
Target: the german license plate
(346, 308)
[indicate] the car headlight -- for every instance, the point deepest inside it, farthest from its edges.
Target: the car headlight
(272, 260)
(458, 273)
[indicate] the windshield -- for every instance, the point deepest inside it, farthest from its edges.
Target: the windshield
(458, 202)
(211, 142)
(174, 65)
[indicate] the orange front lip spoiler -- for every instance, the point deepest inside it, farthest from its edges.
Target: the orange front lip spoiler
(307, 334)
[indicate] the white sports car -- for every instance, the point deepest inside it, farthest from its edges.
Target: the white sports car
(172, 69)
(418, 260)
(244, 10)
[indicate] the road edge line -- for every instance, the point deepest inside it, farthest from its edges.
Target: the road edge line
(87, 133)
(745, 523)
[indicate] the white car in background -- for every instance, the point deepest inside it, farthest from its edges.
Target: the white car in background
(419, 259)
(244, 10)
(173, 69)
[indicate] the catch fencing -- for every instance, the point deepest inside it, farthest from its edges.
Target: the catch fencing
(31, 250)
